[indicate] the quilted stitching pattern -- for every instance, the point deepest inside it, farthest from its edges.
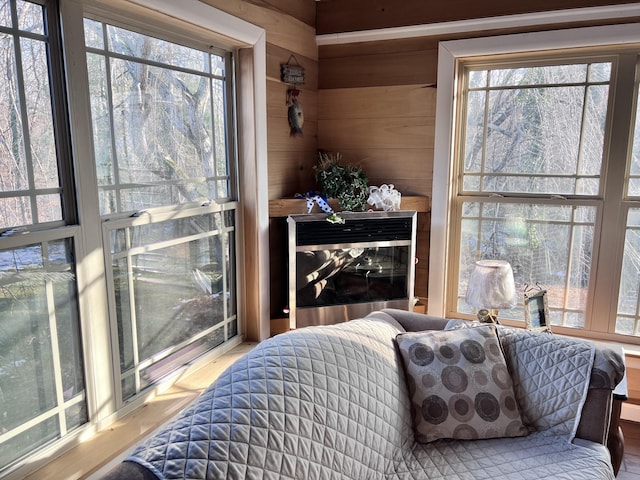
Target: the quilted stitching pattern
(550, 377)
(315, 403)
(331, 403)
(538, 456)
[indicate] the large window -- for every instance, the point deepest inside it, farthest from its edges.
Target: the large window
(164, 160)
(42, 383)
(118, 235)
(531, 162)
(544, 173)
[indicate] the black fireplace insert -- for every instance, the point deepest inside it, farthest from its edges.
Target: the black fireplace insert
(342, 271)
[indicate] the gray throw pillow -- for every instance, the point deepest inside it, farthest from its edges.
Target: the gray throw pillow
(459, 385)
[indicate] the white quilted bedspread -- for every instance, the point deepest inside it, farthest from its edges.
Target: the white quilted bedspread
(331, 403)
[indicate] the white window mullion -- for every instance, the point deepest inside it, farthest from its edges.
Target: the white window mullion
(55, 346)
(88, 244)
(132, 313)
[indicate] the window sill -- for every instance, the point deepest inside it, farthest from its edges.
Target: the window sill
(96, 456)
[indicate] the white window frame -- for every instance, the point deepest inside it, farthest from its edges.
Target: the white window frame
(443, 262)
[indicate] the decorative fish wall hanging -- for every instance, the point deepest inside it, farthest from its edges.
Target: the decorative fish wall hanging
(295, 113)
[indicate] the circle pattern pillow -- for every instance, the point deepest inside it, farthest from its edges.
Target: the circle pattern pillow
(459, 384)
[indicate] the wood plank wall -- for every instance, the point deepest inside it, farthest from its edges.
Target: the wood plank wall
(376, 105)
(290, 30)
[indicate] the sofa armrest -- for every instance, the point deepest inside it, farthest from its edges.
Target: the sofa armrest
(596, 416)
(416, 322)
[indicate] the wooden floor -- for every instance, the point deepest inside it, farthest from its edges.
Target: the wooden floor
(630, 469)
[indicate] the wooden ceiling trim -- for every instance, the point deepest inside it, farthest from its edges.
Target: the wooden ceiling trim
(456, 17)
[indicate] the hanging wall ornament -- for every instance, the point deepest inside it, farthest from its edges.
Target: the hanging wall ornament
(295, 113)
(292, 73)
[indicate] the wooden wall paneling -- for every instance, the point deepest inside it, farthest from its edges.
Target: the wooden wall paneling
(303, 10)
(385, 133)
(410, 170)
(379, 47)
(251, 277)
(334, 16)
(276, 56)
(282, 30)
(291, 173)
(280, 139)
(389, 132)
(422, 254)
(291, 158)
(400, 68)
(387, 101)
(277, 100)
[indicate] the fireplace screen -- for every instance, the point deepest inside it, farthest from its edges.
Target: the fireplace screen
(340, 271)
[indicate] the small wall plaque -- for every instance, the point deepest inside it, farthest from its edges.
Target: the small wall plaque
(293, 74)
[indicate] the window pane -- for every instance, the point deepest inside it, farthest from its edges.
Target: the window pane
(159, 122)
(5, 13)
(15, 211)
(633, 188)
(93, 34)
(174, 284)
(38, 323)
(101, 120)
(536, 130)
(28, 156)
(30, 17)
(38, 104)
(175, 291)
(542, 75)
(628, 319)
(550, 245)
(24, 442)
(141, 46)
(13, 158)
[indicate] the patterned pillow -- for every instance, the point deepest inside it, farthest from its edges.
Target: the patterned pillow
(459, 385)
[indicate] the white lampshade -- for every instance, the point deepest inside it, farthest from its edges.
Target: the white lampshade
(492, 286)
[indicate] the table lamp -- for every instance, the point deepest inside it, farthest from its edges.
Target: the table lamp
(491, 287)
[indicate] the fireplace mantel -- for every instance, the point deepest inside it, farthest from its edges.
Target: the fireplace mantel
(284, 207)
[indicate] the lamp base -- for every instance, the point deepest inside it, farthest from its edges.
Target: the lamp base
(488, 316)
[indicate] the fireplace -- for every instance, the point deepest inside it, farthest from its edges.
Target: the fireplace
(343, 271)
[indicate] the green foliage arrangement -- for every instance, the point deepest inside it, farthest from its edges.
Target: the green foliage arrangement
(346, 183)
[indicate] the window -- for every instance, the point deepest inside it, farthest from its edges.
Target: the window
(161, 113)
(162, 131)
(118, 267)
(172, 291)
(538, 179)
(530, 132)
(42, 384)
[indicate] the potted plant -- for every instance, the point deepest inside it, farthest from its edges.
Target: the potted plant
(346, 183)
